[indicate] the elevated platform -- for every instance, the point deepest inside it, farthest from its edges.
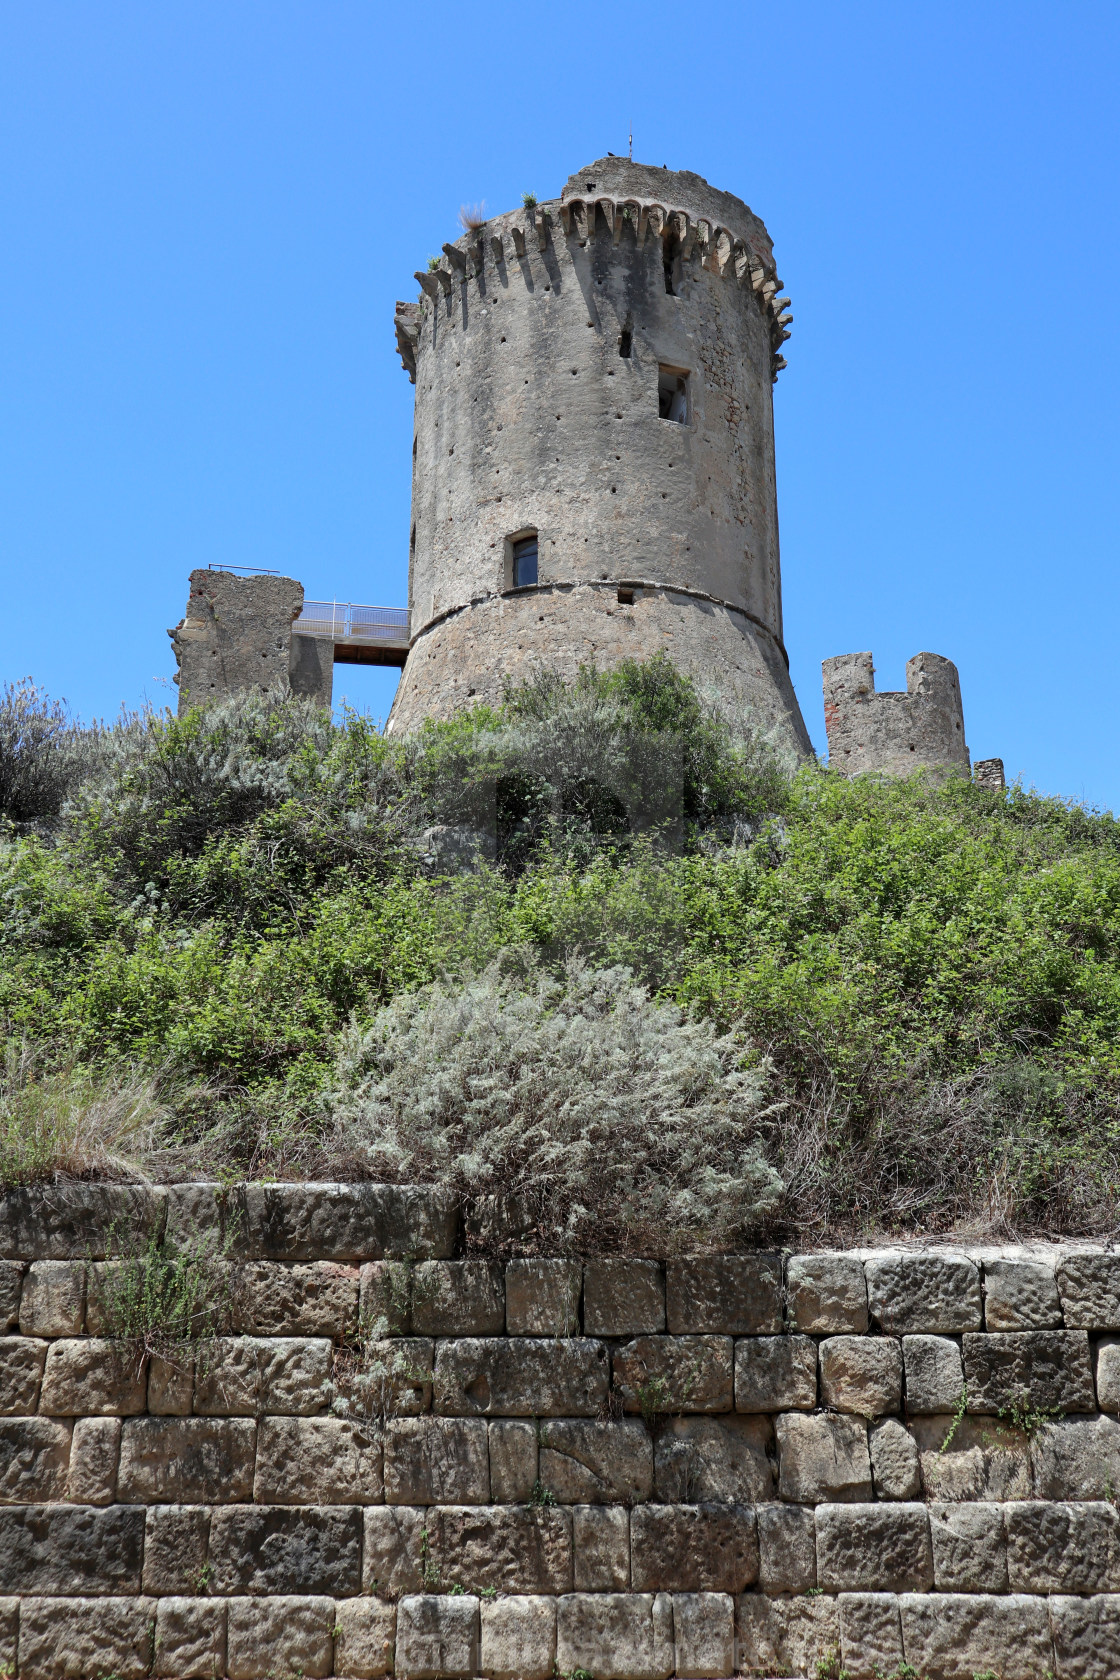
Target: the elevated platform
(361, 635)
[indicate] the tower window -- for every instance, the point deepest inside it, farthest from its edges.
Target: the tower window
(524, 561)
(672, 395)
(624, 343)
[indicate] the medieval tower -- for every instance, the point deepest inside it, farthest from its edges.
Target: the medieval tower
(593, 455)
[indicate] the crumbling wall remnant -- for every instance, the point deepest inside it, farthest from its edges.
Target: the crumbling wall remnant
(897, 733)
(237, 634)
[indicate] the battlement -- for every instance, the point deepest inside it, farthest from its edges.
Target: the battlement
(894, 733)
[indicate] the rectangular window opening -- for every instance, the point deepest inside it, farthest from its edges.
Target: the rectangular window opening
(672, 395)
(524, 562)
(625, 342)
(626, 597)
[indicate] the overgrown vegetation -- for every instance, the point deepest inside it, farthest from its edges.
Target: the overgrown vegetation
(911, 990)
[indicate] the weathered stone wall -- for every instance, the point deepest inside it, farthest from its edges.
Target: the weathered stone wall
(894, 733)
(741, 1464)
(236, 634)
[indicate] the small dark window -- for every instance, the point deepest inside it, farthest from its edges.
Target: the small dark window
(672, 395)
(624, 343)
(524, 562)
(626, 597)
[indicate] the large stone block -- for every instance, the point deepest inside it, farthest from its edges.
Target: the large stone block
(870, 1634)
(775, 1374)
(21, 1372)
(9, 1635)
(826, 1294)
(874, 1548)
(247, 1376)
(1020, 1295)
(1089, 1286)
(397, 1550)
(171, 1383)
(623, 1297)
(290, 1634)
(934, 1374)
(71, 1220)
(923, 1294)
(436, 1461)
(317, 1461)
(94, 1377)
(601, 1548)
(822, 1458)
(658, 1374)
(1086, 1634)
(190, 1642)
(11, 1288)
(787, 1547)
(861, 1374)
(1076, 1458)
(347, 1222)
(94, 1452)
(437, 1638)
(895, 1471)
(1060, 1547)
(385, 1297)
(693, 1548)
(171, 1461)
(318, 1298)
(77, 1636)
(520, 1377)
(542, 1297)
(969, 1548)
(71, 1549)
(519, 1638)
(787, 1635)
(511, 1548)
(53, 1301)
(1108, 1374)
(586, 1462)
(286, 1549)
(397, 1374)
(34, 1459)
(963, 1458)
(365, 1634)
(955, 1636)
(458, 1298)
(714, 1460)
(704, 1635)
(176, 1542)
(616, 1636)
(1034, 1370)
(514, 1461)
(725, 1295)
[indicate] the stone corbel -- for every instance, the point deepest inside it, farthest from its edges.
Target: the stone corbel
(497, 250)
(428, 282)
(456, 258)
(518, 236)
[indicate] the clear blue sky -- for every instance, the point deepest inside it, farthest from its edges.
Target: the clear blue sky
(207, 210)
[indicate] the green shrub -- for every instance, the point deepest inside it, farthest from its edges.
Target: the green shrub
(41, 753)
(73, 1121)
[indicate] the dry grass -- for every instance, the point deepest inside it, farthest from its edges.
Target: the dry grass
(70, 1122)
(472, 217)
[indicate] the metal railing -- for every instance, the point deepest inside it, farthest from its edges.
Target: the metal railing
(342, 621)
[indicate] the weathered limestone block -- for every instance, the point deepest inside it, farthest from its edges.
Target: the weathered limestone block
(458, 1298)
(247, 1376)
(9, 1634)
(714, 1460)
(176, 1541)
(675, 1374)
(347, 1222)
(962, 1458)
(787, 1545)
(94, 1451)
(693, 1548)
(53, 1301)
(171, 1383)
(934, 1374)
(72, 1220)
(923, 1294)
(895, 1471)
(870, 1634)
(725, 1295)
(285, 1549)
(861, 1374)
(34, 1460)
(623, 1298)
(520, 1377)
(586, 1462)
(190, 1638)
(1089, 1286)
(21, 1372)
(1031, 1369)
(402, 1373)
(11, 1289)
(519, 1638)
(786, 1635)
(1076, 1458)
(319, 1298)
(317, 1461)
(171, 1461)
(1108, 1374)
(874, 1548)
(601, 1548)
(704, 1635)
(435, 1460)
(287, 1634)
(385, 1297)
(954, 1636)
(969, 1548)
(822, 1458)
(394, 1550)
(1020, 1295)
(94, 1377)
(1086, 1634)
(542, 1297)
(826, 1294)
(512, 1548)
(514, 1463)
(616, 1636)
(76, 1636)
(437, 1638)
(775, 1373)
(71, 1549)
(1059, 1547)
(365, 1634)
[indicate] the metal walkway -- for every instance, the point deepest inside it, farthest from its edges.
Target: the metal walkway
(361, 635)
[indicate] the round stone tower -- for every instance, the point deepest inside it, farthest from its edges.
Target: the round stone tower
(593, 459)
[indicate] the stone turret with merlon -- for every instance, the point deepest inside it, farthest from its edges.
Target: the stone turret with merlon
(894, 733)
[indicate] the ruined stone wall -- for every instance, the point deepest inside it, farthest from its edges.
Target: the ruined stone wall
(894, 733)
(236, 634)
(746, 1464)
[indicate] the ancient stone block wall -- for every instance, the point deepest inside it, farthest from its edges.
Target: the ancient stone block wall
(746, 1464)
